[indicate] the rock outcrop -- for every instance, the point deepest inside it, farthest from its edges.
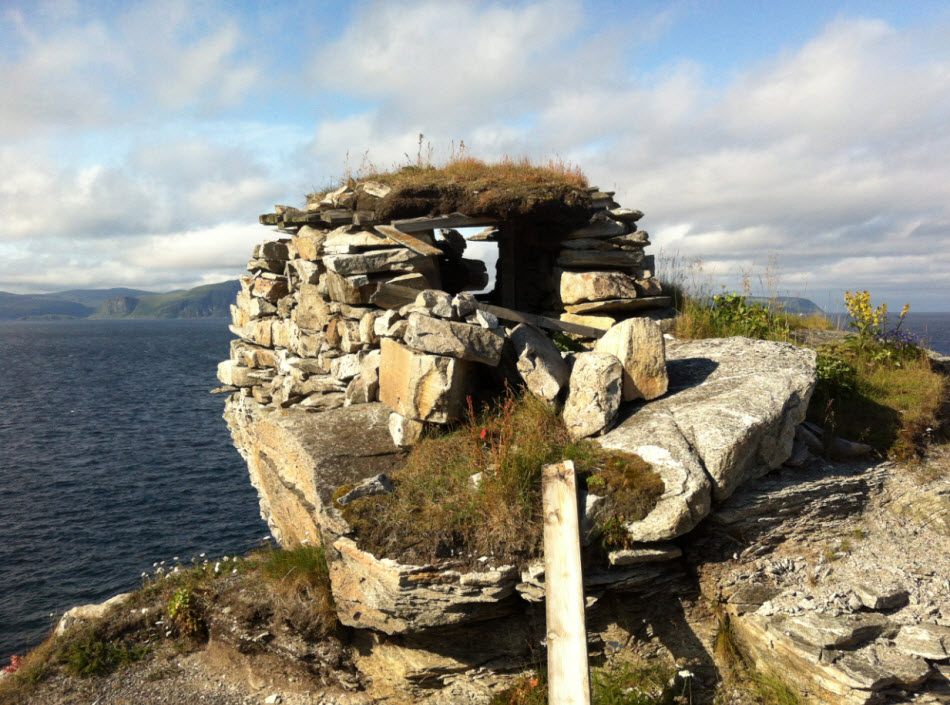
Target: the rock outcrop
(729, 416)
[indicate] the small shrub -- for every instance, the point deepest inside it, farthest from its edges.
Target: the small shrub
(297, 589)
(185, 613)
(732, 314)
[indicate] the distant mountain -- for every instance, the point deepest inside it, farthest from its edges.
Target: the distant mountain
(791, 304)
(18, 306)
(208, 301)
(94, 297)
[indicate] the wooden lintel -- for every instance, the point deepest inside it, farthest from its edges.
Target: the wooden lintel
(408, 295)
(452, 220)
(408, 241)
(537, 321)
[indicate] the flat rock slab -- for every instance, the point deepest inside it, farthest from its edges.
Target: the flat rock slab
(927, 640)
(655, 553)
(829, 632)
(458, 340)
(420, 386)
(637, 304)
(381, 594)
(729, 416)
(298, 459)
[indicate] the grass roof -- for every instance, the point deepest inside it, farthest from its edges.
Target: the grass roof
(508, 189)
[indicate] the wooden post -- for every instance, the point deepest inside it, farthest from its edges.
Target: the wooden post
(568, 671)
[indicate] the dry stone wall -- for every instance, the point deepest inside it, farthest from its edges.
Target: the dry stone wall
(343, 309)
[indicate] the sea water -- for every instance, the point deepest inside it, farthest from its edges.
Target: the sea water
(113, 455)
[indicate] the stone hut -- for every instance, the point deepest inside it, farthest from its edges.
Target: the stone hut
(367, 295)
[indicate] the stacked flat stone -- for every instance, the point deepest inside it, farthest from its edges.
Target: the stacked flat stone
(603, 274)
(315, 331)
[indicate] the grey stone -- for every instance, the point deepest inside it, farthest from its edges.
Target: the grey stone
(458, 340)
(735, 401)
(421, 386)
(928, 507)
(875, 598)
(625, 215)
(644, 554)
(576, 287)
(393, 598)
(600, 258)
(297, 460)
(539, 362)
(464, 305)
(595, 393)
(396, 259)
(930, 641)
(437, 303)
(638, 344)
(405, 432)
(909, 671)
(486, 319)
(686, 497)
(345, 239)
(370, 487)
(600, 226)
(235, 375)
(85, 613)
(830, 632)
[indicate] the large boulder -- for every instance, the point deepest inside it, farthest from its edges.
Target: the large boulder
(298, 459)
(594, 396)
(638, 344)
(729, 416)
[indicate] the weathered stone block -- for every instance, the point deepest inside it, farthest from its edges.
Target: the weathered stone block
(308, 242)
(397, 259)
(594, 396)
(576, 287)
(270, 289)
(419, 386)
(459, 340)
(638, 344)
(312, 311)
(539, 362)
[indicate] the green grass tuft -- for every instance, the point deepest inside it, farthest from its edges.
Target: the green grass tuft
(476, 491)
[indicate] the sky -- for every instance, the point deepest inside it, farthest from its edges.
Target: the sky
(802, 147)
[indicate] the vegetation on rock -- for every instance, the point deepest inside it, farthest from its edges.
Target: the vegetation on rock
(875, 386)
(476, 491)
(269, 590)
(504, 189)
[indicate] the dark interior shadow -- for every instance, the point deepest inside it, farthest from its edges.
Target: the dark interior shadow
(683, 374)
(661, 617)
(689, 372)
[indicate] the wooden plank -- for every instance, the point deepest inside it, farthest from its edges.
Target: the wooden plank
(543, 321)
(489, 234)
(413, 243)
(453, 220)
(337, 216)
(392, 293)
(269, 218)
(568, 669)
